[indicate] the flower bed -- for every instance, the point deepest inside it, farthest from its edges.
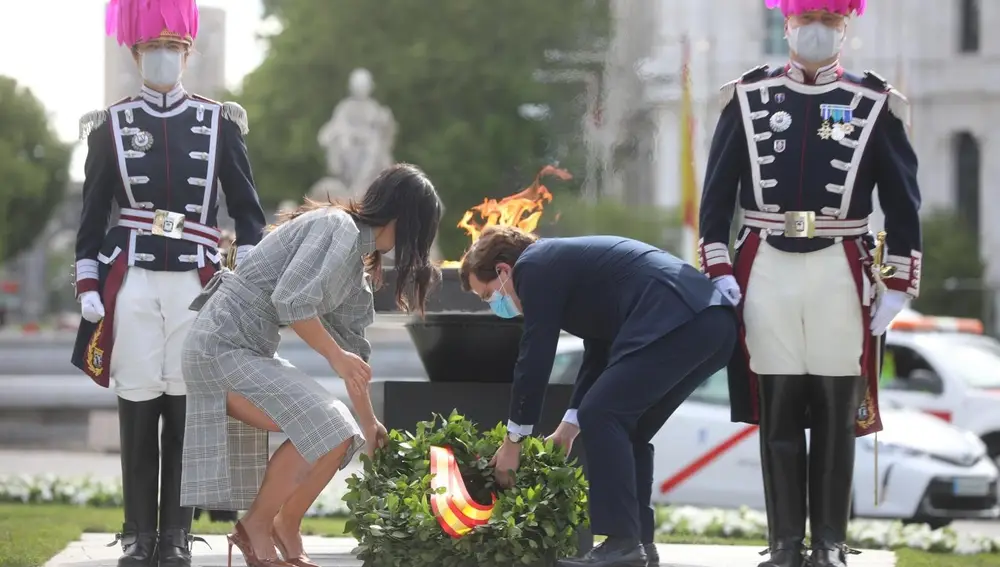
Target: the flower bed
(105, 493)
(867, 534)
(531, 524)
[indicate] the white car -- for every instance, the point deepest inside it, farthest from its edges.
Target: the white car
(947, 368)
(929, 471)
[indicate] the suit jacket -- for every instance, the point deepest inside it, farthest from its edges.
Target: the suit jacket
(615, 293)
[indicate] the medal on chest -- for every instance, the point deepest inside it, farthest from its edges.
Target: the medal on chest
(780, 121)
(836, 121)
(142, 141)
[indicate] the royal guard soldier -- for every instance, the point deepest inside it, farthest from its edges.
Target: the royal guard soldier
(163, 159)
(801, 149)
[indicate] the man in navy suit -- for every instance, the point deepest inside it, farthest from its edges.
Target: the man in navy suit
(654, 329)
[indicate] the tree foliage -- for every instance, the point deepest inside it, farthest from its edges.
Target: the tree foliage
(952, 279)
(573, 216)
(34, 168)
(454, 73)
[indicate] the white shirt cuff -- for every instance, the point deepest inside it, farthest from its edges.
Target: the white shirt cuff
(570, 417)
(519, 429)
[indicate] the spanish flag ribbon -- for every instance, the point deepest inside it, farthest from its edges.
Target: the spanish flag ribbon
(454, 509)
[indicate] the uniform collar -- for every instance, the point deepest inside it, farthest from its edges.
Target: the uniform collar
(367, 238)
(161, 101)
(825, 75)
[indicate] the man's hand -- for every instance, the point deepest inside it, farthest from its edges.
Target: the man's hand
(728, 287)
(564, 435)
(506, 462)
(890, 304)
(91, 308)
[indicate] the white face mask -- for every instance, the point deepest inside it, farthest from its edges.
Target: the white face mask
(815, 42)
(162, 67)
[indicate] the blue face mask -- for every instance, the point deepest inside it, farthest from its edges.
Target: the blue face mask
(503, 305)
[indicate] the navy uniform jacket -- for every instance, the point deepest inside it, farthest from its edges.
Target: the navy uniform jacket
(615, 293)
(164, 152)
(784, 143)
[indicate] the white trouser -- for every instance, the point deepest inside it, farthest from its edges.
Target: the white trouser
(151, 321)
(802, 314)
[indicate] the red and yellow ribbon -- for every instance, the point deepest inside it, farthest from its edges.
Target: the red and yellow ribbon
(454, 509)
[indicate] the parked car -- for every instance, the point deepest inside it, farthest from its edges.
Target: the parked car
(928, 470)
(948, 368)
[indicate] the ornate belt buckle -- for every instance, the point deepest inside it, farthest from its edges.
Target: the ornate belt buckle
(168, 224)
(800, 224)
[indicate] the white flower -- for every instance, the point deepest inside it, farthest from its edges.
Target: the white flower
(870, 534)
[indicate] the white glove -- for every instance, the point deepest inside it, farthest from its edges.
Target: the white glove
(728, 287)
(889, 305)
(91, 307)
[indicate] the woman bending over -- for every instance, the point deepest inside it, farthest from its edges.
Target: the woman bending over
(314, 272)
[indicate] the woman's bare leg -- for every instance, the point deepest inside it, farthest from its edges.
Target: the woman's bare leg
(288, 522)
(285, 470)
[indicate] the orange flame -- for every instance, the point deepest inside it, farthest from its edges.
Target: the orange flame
(523, 210)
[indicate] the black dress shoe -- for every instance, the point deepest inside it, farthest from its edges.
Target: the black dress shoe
(652, 555)
(612, 552)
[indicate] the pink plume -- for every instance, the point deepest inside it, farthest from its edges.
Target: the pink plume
(111, 18)
(136, 21)
(793, 7)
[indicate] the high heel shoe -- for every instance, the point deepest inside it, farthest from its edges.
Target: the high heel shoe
(301, 561)
(241, 540)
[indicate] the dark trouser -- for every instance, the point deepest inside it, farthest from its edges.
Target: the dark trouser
(829, 404)
(629, 403)
(151, 483)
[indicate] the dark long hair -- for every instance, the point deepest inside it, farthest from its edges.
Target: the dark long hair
(402, 193)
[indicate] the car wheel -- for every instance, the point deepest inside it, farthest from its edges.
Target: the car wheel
(993, 447)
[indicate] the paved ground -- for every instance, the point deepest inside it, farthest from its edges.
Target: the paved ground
(335, 552)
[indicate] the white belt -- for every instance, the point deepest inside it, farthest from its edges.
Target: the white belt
(805, 224)
(169, 224)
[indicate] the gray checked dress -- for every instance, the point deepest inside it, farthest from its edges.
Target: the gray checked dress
(311, 266)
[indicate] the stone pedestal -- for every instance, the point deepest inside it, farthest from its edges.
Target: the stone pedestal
(401, 405)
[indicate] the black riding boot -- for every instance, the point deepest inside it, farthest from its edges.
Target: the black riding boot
(833, 408)
(175, 521)
(783, 402)
(138, 427)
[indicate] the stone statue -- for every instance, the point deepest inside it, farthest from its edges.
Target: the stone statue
(358, 141)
